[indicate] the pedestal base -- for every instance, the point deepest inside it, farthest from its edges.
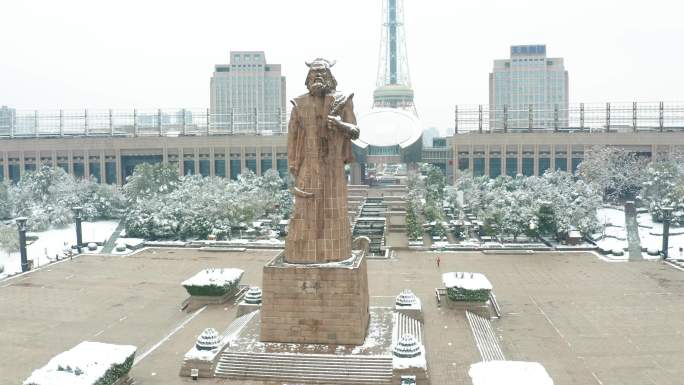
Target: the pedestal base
(315, 303)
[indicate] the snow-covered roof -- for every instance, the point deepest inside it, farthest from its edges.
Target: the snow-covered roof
(465, 280)
(509, 373)
(388, 127)
(218, 277)
(92, 359)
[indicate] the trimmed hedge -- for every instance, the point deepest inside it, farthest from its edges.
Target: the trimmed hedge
(211, 290)
(459, 294)
(116, 372)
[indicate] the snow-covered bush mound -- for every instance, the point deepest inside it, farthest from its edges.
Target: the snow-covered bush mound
(213, 282)
(88, 363)
(464, 286)
(509, 373)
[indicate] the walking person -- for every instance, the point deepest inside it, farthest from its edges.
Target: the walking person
(438, 261)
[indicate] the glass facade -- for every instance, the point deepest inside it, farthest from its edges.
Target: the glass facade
(511, 166)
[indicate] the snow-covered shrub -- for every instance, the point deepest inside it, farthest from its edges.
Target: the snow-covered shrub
(213, 282)
(88, 363)
(463, 286)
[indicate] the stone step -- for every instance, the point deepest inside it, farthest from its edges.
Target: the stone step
(305, 368)
(407, 325)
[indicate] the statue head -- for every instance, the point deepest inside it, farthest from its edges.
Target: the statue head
(320, 80)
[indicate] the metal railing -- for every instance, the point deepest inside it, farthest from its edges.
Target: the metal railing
(585, 117)
(139, 122)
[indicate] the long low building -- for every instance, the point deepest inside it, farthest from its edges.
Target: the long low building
(495, 154)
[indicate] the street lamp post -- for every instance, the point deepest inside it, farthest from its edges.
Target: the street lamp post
(79, 234)
(21, 226)
(667, 218)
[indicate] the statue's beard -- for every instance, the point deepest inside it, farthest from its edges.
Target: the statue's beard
(319, 87)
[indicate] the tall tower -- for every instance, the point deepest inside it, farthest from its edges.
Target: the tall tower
(394, 81)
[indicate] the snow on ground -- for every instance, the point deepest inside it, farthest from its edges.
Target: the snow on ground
(218, 277)
(611, 216)
(92, 359)
(509, 373)
(467, 281)
(651, 234)
(53, 242)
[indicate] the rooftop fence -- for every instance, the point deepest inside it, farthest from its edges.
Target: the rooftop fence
(585, 117)
(134, 122)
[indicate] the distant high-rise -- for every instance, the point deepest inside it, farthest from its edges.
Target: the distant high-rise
(528, 81)
(394, 81)
(247, 89)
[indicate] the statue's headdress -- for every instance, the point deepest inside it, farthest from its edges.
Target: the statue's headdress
(320, 62)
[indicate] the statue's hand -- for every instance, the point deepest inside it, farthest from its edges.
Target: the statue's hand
(335, 122)
(349, 130)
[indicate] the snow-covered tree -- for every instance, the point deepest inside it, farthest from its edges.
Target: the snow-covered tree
(48, 194)
(9, 240)
(616, 172)
(664, 187)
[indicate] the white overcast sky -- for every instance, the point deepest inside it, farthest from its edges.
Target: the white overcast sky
(160, 54)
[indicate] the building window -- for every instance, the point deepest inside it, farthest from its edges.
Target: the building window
(110, 172)
(528, 166)
(463, 164)
(95, 171)
(235, 168)
(266, 164)
(575, 164)
(189, 167)
(281, 164)
(544, 164)
(204, 166)
(14, 173)
(478, 166)
(79, 170)
(561, 164)
(220, 167)
(512, 166)
(494, 167)
(251, 165)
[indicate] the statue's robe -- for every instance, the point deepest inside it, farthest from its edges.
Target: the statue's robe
(319, 229)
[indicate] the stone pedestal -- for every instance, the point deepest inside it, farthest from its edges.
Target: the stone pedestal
(315, 303)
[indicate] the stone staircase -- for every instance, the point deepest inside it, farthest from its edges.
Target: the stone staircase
(305, 368)
(404, 324)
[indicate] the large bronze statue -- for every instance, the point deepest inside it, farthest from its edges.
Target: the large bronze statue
(322, 126)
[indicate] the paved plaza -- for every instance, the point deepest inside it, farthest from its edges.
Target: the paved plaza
(586, 320)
